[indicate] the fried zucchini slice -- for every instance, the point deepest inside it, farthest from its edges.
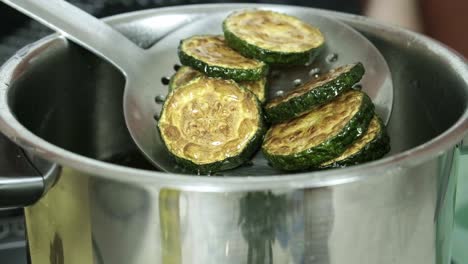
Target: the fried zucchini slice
(211, 124)
(374, 144)
(314, 93)
(272, 37)
(320, 135)
(186, 74)
(258, 88)
(210, 54)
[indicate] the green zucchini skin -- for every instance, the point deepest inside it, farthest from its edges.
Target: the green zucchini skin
(229, 163)
(236, 74)
(297, 105)
(269, 56)
(373, 150)
(313, 157)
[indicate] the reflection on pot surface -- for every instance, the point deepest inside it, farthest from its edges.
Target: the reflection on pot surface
(100, 209)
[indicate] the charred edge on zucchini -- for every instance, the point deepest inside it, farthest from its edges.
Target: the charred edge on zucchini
(373, 145)
(272, 37)
(211, 131)
(314, 93)
(211, 55)
(320, 135)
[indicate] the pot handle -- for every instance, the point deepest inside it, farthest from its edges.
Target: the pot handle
(21, 184)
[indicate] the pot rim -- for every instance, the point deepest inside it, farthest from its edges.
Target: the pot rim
(393, 164)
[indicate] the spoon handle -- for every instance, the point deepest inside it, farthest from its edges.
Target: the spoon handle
(83, 29)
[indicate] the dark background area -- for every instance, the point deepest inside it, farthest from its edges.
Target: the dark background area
(17, 30)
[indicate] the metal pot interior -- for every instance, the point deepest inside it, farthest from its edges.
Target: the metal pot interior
(73, 100)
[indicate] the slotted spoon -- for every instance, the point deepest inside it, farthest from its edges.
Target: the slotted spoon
(146, 70)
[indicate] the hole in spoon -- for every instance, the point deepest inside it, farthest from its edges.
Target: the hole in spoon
(165, 80)
(279, 93)
(314, 71)
(332, 57)
(248, 164)
(159, 99)
(297, 82)
(176, 67)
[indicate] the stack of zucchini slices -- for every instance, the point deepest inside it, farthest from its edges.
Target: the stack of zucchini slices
(324, 123)
(213, 117)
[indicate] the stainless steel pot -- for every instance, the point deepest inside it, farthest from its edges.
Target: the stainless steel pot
(103, 204)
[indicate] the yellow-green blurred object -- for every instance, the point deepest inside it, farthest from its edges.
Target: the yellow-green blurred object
(70, 233)
(460, 236)
(170, 226)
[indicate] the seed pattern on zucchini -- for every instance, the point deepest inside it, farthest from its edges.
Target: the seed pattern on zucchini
(186, 74)
(272, 37)
(314, 93)
(210, 55)
(211, 124)
(320, 135)
(373, 145)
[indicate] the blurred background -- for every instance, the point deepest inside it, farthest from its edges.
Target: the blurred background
(442, 20)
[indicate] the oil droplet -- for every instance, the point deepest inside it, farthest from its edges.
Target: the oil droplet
(279, 93)
(297, 82)
(332, 57)
(357, 87)
(165, 80)
(316, 76)
(216, 143)
(314, 71)
(176, 67)
(159, 99)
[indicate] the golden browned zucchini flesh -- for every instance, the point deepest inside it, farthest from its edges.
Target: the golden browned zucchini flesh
(186, 74)
(210, 54)
(211, 124)
(320, 135)
(272, 37)
(373, 145)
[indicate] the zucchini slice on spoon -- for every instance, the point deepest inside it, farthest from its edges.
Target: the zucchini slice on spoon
(314, 93)
(211, 124)
(272, 37)
(211, 55)
(186, 74)
(259, 88)
(183, 75)
(319, 135)
(374, 144)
